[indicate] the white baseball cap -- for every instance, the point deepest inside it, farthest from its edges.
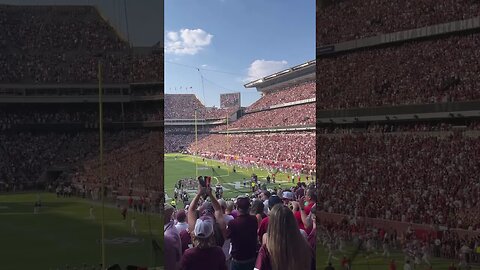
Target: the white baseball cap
(203, 227)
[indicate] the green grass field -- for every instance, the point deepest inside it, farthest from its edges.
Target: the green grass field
(179, 166)
(376, 261)
(63, 233)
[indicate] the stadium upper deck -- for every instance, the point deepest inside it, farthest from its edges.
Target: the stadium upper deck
(183, 106)
(397, 114)
(345, 20)
(63, 44)
(49, 116)
(288, 102)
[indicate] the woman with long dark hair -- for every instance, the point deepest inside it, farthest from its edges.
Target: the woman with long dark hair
(258, 210)
(284, 246)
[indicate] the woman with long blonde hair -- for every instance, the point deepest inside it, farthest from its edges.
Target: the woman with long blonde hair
(284, 248)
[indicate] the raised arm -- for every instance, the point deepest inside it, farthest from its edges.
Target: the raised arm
(218, 212)
(192, 217)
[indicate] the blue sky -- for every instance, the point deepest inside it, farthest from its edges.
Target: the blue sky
(243, 39)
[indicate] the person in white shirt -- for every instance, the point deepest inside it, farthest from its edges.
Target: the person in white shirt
(181, 218)
(407, 266)
(92, 216)
(133, 226)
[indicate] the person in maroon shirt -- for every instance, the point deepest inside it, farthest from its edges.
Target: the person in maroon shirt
(284, 247)
(205, 255)
(242, 232)
(262, 229)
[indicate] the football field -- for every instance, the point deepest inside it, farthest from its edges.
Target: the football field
(375, 261)
(178, 166)
(64, 234)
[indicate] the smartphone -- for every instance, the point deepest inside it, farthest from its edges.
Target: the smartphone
(202, 182)
(208, 180)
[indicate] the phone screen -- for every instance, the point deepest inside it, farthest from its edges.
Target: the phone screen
(201, 181)
(208, 180)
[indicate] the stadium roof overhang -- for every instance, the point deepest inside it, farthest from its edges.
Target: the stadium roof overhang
(293, 75)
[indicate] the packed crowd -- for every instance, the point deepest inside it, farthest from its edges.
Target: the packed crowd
(230, 100)
(135, 168)
(285, 149)
(50, 28)
(79, 67)
(47, 44)
(298, 115)
(26, 155)
(10, 117)
(426, 179)
(298, 92)
(184, 106)
(374, 17)
(462, 125)
(269, 229)
(178, 142)
(133, 163)
(427, 71)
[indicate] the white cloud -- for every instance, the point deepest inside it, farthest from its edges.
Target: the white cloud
(261, 68)
(187, 41)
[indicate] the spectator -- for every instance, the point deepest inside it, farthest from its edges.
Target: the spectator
(279, 253)
(242, 232)
(181, 218)
(172, 243)
(205, 254)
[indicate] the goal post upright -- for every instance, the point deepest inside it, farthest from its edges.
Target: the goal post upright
(196, 144)
(102, 180)
(228, 145)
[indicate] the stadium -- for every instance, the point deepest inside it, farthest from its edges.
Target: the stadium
(81, 159)
(267, 147)
(398, 140)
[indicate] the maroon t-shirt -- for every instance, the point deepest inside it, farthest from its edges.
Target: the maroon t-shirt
(242, 232)
(203, 259)
(263, 228)
(186, 239)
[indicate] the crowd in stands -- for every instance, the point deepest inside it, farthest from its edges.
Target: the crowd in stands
(133, 160)
(268, 229)
(414, 178)
(230, 100)
(9, 118)
(427, 71)
(177, 142)
(298, 115)
(298, 92)
(135, 168)
(46, 44)
(80, 67)
(263, 149)
(183, 106)
(48, 28)
(374, 17)
(470, 125)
